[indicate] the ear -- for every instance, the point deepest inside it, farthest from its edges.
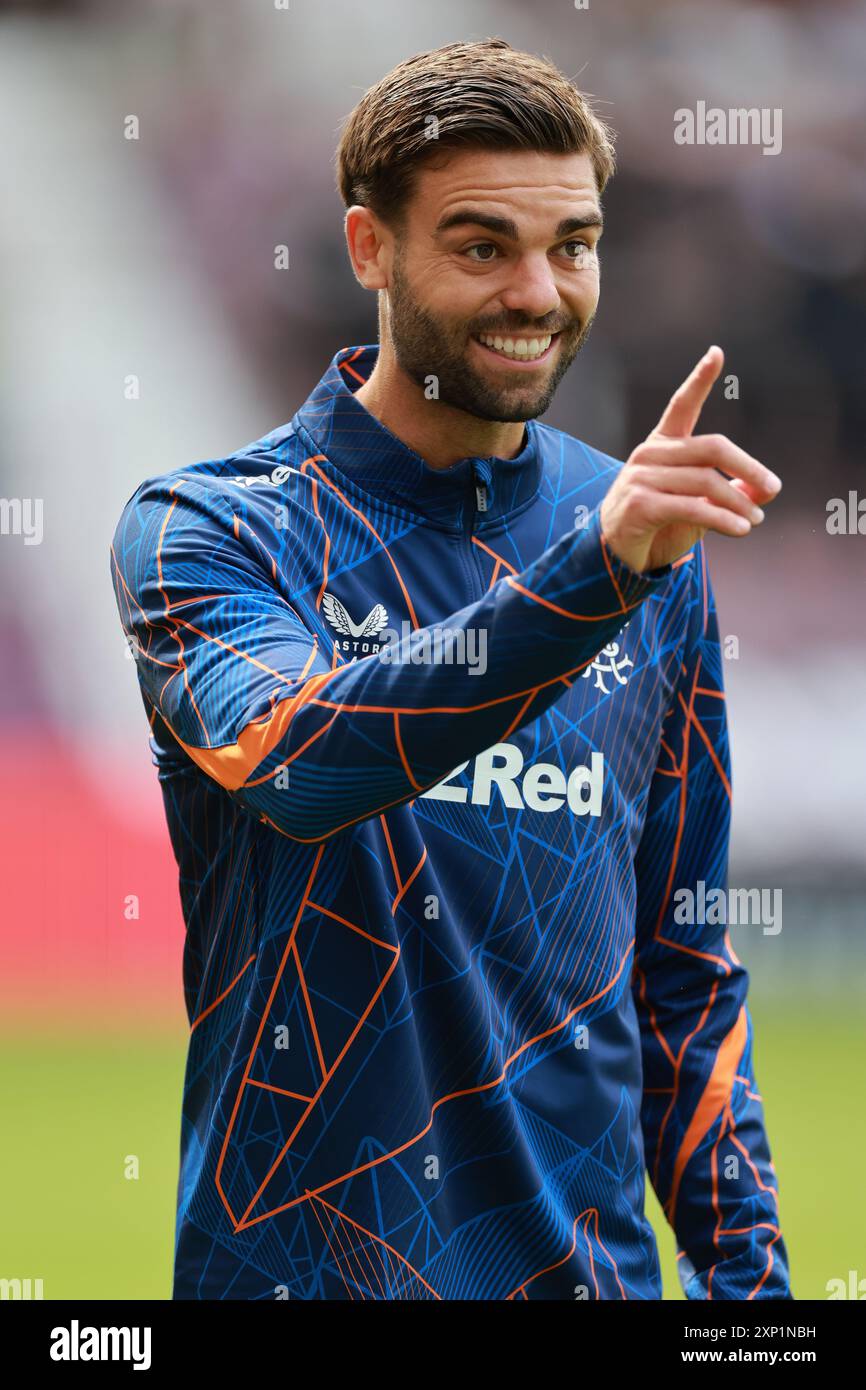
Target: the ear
(368, 247)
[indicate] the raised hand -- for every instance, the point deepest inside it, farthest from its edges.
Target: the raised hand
(672, 490)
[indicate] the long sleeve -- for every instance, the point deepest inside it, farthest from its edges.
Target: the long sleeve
(705, 1142)
(233, 652)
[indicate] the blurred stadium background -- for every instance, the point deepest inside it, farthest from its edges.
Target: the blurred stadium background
(154, 258)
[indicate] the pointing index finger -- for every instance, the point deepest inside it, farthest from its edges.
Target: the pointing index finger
(684, 407)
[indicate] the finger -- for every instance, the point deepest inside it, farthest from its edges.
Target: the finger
(703, 482)
(684, 407)
(667, 509)
(761, 495)
(710, 451)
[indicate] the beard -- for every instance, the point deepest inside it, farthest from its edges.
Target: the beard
(427, 347)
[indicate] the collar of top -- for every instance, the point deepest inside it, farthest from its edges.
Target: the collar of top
(476, 492)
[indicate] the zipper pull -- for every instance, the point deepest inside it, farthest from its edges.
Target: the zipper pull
(481, 479)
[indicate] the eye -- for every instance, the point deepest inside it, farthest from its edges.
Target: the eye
(583, 252)
(482, 246)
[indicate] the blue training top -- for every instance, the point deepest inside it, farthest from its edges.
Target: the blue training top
(448, 786)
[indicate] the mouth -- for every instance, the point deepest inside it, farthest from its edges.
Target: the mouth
(518, 351)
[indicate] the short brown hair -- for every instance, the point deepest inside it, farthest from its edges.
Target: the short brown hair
(487, 95)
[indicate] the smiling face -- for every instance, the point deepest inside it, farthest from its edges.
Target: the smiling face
(494, 279)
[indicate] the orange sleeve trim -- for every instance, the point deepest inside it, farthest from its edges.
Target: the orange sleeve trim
(564, 612)
(232, 764)
(712, 1103)
(403, 759)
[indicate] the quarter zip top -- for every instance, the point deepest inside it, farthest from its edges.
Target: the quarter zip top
(333, 423)
(424, 828)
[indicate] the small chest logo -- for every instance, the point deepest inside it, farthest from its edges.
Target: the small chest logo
(359, 637)
(609, 663)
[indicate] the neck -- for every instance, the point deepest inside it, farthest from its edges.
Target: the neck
(440, 433)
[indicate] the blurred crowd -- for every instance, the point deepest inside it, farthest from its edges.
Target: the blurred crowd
(154, 258)
(763, 254)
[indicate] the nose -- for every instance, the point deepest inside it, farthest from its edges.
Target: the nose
(532, 288)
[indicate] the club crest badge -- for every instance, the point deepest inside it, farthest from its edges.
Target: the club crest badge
(609, 663)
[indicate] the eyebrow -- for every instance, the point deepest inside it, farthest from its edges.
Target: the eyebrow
(505, 227)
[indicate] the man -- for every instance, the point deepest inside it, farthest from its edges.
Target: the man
(436, 701)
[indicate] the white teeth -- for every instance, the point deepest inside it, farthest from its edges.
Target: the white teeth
(524, 348)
